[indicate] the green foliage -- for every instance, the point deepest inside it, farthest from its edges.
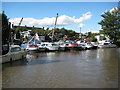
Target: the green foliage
(90, 34)
(94, 40)
(5, 29)
(70, 33)
(41, 31)
(21, 29)
(110, 24)
(118, 42)
(59, 33)
(104, 38)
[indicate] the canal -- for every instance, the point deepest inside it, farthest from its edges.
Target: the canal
(74, 69)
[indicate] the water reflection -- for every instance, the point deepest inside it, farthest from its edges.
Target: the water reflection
(43, 62)
(74, 69)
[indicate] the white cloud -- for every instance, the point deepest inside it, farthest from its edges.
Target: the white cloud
(93, 31)
(113, 9)
(62, 20)
(81, 25)
(90, 31)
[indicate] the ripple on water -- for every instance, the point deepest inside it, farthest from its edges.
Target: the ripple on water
(78, 69)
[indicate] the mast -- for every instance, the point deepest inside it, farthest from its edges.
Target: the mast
(55, 26)
(20, 21)
(16, 31)
(80, 33)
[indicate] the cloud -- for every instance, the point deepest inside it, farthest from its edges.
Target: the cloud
(62, 20)
(93, 31)
(90, 31)
(114, 9)
(81, 25)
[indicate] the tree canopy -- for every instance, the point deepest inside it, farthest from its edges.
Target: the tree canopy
(5, 33)
(5, 29)
(110, 24)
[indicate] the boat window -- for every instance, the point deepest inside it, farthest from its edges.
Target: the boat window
(82, 45)
(5, 49)
(67, 44)
(46, 44)
(61, 44)
(43, 45)
(15, 49)
(106, 43)
(32, 45)
(35, 45)
(54, 44)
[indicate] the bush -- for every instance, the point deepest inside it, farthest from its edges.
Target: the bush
(118, 42)
(94, 40)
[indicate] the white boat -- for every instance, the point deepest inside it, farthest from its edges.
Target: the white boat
(62, 45)
(95, 45)
(106, 44)
(50, 46)
(33, 44)
(15, 52)
(81, 45)
(89, 46)
(30, 47)
(71, 46)
(84, 45)
(42, 48)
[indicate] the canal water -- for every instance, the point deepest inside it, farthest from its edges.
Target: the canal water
(73, 69)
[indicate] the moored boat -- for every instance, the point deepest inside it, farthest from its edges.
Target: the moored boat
(81, 46)
(15, 52)
(106, 44)
(30, 47)
(95, 45)
(42, 48)
(89, 46)
(71, 46)
(62, 45)
(50, 46)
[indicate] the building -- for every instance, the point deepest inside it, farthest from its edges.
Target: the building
(102, 37)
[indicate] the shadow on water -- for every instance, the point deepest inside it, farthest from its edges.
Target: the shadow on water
(26, 62)
(43, 62)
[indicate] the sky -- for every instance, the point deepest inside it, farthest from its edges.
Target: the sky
(71, 15)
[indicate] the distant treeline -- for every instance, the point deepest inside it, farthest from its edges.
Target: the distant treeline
(59, 33)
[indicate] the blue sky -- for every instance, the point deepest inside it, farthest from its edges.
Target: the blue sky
(71, 14)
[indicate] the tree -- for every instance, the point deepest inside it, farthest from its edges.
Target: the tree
(5, 29)
(94, 39)
(5, 33)
(110, 24)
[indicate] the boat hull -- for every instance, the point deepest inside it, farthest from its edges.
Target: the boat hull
(31, 49)
(52, 48)
(107, 46)
(61, 48)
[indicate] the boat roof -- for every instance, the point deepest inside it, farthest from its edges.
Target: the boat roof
(14, 46)
(47, 42)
